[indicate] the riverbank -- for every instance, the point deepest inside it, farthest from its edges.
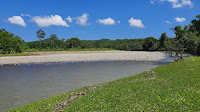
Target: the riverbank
(82, 56)
(172, 87)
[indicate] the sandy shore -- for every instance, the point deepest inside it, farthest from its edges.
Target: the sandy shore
(83, 56)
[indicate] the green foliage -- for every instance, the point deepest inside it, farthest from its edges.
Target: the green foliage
(163, 39)
(10, 43)
(191, 42)
(150, 44)
(198, 49)
(40, 34)
(187, 39)
(53, 37)
(73, 42)
(172, 87)
(195, 25)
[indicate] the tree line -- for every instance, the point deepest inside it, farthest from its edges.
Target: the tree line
(14, 44)
(187, 39)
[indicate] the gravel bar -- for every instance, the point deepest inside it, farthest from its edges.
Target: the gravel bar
(84, 57)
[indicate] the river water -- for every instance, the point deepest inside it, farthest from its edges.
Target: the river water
(24, 84)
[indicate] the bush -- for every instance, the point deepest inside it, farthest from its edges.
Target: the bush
(198, 49)
(10, 43)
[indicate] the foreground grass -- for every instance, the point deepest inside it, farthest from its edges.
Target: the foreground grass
(172, 87)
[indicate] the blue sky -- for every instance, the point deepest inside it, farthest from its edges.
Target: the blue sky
(96, 19)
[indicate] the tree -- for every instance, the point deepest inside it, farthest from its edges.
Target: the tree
(73, 42)
(150, 44)
(40, 34)
(62, 43)
(195, 25)
(163, 38)
(10, 43)
(198, 49)
(179, 32)
(53, 38)
(191, 43)
(179, 46)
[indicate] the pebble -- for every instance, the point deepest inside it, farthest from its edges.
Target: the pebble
(121, 56)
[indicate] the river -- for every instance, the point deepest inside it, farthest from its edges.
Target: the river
(25, 84)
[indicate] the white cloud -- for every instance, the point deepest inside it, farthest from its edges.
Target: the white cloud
(136, 23)
(17, 20)
(172, 1)
(49, 21)
(183, 3)
(28, 15)
(161, 1)
(178, 19)
(108, 21)
(118, 21)
(168, 22)
(69, 19)
(82, 20)
(152, 2)
(175, 3)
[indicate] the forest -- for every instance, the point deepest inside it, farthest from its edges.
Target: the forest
(186, 40)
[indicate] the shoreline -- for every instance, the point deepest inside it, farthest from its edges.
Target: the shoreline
(83, 56)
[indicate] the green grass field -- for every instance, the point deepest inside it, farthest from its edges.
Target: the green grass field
(172, 87)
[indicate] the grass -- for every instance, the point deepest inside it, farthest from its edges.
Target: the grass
(172, 87)
(30, 52)
(18, 54)
(71, 49)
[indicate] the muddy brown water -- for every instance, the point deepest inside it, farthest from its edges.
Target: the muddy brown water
(24, 84)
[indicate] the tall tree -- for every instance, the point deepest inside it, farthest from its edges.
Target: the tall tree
(40, 34)
(163, 38)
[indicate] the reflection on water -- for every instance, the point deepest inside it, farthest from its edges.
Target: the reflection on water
(25, 84)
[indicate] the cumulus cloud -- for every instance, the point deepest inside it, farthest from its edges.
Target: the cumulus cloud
(136, 23)
(17, 20)
(118, 21)
(69, 19)
(178, 19)
(108, 21)
(28, 15)
(168, 22)
(49, 21)
(183, 3)
(82, 20)
(175, 3)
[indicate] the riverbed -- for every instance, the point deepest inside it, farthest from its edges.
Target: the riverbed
(82, 56)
